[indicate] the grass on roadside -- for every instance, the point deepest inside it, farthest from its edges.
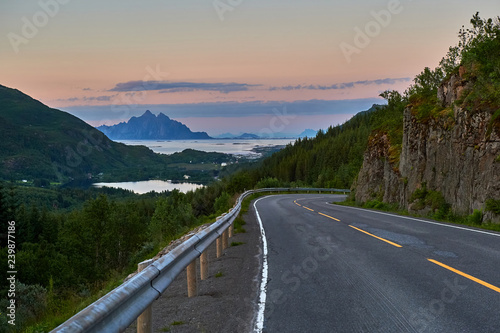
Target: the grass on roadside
(474, 220)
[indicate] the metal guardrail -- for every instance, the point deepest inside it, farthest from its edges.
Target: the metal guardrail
(115, 311)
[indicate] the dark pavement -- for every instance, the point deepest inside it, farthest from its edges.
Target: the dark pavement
(342, 269)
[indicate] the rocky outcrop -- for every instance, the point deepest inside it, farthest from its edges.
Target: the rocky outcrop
(378, 179)
(454, 154)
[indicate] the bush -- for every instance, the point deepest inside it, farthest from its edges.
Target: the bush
(493, 206)
(376, 205)
(31, 302)
(222, 203)
(476, 217)
(422, 197)
(268, 182)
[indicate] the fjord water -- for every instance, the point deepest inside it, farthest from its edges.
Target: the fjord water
(152, 185)
(227, 146)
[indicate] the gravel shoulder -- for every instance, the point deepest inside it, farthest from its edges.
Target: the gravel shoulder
(226, 303)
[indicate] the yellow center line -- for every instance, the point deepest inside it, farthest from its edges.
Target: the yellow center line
(298, 204)
(382, 239)
(470, 277)
(333, 218)
(312, 210)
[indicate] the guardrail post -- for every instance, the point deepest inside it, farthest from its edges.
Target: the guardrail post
(191, 279)
(218, 244)
(231, 230)
(204, 265)
(225, 239)
(145, 320)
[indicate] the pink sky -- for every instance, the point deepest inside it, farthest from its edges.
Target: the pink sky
(79, 51)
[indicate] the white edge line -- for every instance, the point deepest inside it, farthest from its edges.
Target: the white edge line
(259, 324)
(419, 220)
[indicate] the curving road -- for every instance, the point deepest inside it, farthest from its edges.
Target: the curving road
(339, 269)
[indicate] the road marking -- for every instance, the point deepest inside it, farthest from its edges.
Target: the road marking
(259, 323)
(424, 221)
(470, 277)
(312, 210)
(382, 239)
(298, 204)
(333, 218)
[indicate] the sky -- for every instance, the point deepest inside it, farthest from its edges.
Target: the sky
(220, 66)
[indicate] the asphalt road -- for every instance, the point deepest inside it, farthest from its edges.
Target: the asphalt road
(353, 270)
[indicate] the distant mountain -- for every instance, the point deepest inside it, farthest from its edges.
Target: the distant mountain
(308, 133)
(248, 136)
(226, 136)
(38, 142)
(151, 127)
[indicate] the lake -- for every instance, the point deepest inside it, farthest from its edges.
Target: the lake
(226, 146)
(151, 185)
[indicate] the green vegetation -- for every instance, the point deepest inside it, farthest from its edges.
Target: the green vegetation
(219, 274)
(423, 198)
(493, 206)
(238, 225)
(71, 256)
(331, 159)
(476, 217)
(177, 323)
(237, 243)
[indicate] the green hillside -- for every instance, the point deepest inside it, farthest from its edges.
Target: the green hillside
(39, 142)
(332, 158)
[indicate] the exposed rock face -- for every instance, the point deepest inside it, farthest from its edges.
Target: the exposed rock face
(377, 178)
(455, 156)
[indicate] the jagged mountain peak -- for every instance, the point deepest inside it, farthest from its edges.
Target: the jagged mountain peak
(151, 127)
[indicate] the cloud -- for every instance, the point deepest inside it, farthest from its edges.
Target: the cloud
(86, 89)
(118, 113)
(172, 87)
(344, 85)
(103, 98)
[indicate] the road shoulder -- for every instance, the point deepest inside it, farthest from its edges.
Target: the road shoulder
(226, 301)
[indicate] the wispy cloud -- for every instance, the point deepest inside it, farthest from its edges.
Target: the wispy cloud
(344, 85)
(172, 87)
(228, 109)
(104, 98)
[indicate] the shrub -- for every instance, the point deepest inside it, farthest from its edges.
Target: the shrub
(476, 217)
(268, 182)
(493, 206)
(222, 203)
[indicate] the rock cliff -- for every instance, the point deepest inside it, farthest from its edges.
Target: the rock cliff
(455, 154)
